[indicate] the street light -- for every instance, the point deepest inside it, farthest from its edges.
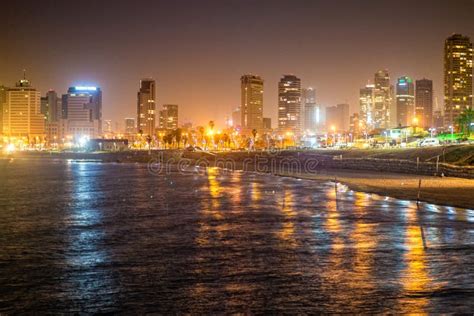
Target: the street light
(452, 132)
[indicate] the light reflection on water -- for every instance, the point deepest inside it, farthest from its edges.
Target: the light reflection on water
(115, 238)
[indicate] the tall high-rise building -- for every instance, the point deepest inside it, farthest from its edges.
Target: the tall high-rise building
(107, 126)
(22, 116)
(376, 103)
(251, 106)
(3, 99)
(289, 104)
(457, 77)
(382, 103)
(146, 108)
(366, 104)
(236, 117)
(354, 124)
(312, 112)
(169, 116)
(267, 123)
(82, 109)
(424, 102)
(338, 117)
(405, 101)
(130, 126)
(51, 106)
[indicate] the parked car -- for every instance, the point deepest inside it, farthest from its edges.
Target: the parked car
(429, 142)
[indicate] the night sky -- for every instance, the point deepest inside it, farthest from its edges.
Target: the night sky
(197, 50)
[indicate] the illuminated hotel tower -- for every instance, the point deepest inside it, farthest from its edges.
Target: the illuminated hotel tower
(366, 103)
(289, 104)
(251, 88)
(382, 99)
(405, 101)
(22, 118)
(146, 116)
(82, 108)
(457, 77)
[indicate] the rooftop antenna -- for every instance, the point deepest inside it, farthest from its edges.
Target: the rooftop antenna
(24, 74)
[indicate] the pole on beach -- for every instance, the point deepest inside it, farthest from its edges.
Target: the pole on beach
(419, 215)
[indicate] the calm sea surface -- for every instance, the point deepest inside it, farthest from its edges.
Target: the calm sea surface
(90, 237)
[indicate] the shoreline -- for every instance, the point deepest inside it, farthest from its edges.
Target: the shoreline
(446, 191)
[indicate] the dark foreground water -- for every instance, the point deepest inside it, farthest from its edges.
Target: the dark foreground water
(88, 237)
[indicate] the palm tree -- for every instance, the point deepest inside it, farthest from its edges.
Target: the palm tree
(464, 120)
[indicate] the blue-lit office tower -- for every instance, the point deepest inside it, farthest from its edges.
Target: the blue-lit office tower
(82, 111)
(405, 101)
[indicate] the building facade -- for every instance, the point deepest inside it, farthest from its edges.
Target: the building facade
(289, 104)
(457, 77)
(130, 126)
(311, 112)
(169, 116)
(146, 107)
(236, 117)
(424, 102)
(82, 111)
(366, 106)
(22, 117)
(405, 101)
(338, 118)
(383, 97)
(251, 106)
(3, 99)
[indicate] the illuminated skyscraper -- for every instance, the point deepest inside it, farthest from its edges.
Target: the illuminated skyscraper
(107, 127)
(405, 101)
(51, 106)
(289, 104)
(169, 116)
(130, 127)
(22, 118)
(366, 103)
(146, 108)
(251, 107)
(3, 99)
(457, 77)
(424, 102)
(82, 109)
(382, 99)
(312, 113)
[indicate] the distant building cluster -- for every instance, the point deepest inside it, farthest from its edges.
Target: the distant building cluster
(384, 104)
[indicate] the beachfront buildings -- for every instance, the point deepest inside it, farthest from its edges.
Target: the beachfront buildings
(424, 103)
(22, 120)
(289, 105)
(376, 102)
(82, 112)
(251, 107)
(311, 112)
(169, 116)
(458, 56)
(146, 107)
(405, 101)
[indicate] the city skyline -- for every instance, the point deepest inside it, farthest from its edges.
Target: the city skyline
(336, 73)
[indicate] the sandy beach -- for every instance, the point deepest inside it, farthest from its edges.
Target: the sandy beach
(456, 192)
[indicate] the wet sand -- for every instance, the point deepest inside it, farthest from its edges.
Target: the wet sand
(448, 191)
